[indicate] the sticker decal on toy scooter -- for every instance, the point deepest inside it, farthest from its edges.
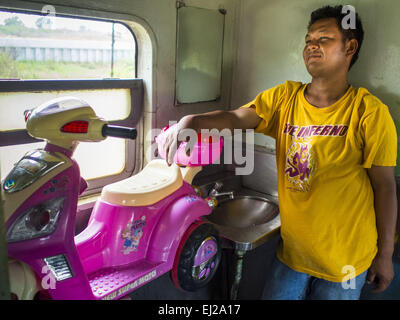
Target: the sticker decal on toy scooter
(132, 285)
(132, 234)
(9, 184)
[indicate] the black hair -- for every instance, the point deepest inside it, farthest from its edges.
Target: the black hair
(336, 12)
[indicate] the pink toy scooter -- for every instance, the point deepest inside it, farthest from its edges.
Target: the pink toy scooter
(139, 229)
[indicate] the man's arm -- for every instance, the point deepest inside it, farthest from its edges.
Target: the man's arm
(385, 202)
(242, 118)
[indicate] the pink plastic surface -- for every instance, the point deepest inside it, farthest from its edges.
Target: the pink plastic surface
(115, 268)
(61, 241)
(206, 150)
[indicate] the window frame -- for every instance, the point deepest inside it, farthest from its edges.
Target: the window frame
(135, 85)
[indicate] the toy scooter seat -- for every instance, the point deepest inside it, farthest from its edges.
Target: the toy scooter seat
(154, 183)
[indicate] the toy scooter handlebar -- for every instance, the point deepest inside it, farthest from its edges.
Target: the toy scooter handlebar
(119, 132)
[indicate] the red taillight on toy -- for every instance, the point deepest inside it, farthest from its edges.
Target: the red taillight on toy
(75, 127)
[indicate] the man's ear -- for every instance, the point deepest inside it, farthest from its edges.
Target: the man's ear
(351, 47)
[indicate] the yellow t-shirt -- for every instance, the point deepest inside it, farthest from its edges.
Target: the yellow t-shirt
(325, 197)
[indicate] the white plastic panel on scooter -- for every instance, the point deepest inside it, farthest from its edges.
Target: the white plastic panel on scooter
(155, 182)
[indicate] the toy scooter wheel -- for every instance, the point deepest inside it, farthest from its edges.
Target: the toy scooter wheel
(197, 257)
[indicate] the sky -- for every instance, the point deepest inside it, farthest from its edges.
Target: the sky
(58, 22)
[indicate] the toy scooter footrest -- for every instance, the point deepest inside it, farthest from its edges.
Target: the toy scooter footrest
(111, 283)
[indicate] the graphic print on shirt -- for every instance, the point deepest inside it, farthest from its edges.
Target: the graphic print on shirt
(301, 161)
(300, 165)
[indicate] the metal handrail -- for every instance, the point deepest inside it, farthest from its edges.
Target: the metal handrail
(4, 278)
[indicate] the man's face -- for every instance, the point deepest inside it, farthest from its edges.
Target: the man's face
(324, 52)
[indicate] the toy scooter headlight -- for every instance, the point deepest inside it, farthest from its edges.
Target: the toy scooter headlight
(38, 221)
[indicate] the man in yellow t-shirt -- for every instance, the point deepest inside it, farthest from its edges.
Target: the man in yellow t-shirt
(336, 149)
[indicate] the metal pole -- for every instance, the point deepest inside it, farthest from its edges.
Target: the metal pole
(112, 50)
(4, 280)
(238, 274)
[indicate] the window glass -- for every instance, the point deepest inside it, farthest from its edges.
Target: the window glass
(110, 104)
(95, 160)
(34, 46)
(10, 155)
(100, 159)
(108, 155)
(39, 47)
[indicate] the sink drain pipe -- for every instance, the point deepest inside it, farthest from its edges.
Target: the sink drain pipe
(238, 273)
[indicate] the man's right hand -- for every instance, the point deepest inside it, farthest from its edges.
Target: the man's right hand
(172, 138)
(242, 118)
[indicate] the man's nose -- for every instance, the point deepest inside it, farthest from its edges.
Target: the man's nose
(312, 45)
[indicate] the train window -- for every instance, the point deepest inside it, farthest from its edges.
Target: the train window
(44, 57)
(46, 47)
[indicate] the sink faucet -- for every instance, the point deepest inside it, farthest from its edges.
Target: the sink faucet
(214, 192)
